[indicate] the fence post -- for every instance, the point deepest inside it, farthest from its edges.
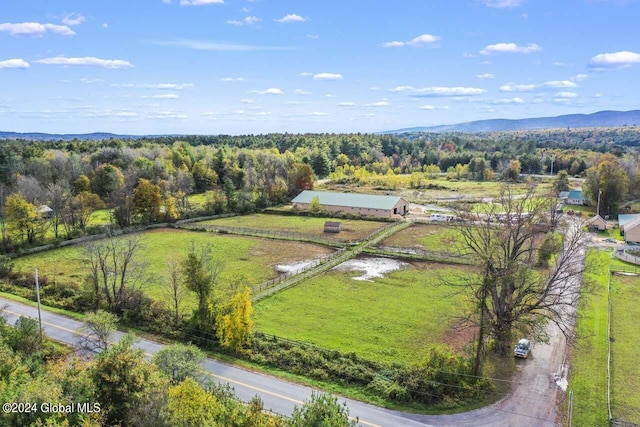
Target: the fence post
(570, 411)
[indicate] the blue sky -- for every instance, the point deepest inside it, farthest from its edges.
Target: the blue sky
(242, 66)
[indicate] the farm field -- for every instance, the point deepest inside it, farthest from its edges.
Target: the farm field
(351, 229)
(588, 377)
(249, 260)
(441, 188)
(391, 319)
(625, 376)
(430, 237)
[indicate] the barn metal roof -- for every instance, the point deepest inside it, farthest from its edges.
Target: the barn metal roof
(368, 201)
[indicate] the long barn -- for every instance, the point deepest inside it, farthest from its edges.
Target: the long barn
(356, 204)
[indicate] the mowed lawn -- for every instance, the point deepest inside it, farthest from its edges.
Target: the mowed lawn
(588, 375)
(625, 356)
(351, 229)
(588, 372)
(390, 319)
(246, 259)
(430, 237)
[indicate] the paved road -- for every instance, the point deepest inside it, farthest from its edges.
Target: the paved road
(532, 401)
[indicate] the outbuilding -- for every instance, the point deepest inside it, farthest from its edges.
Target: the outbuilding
(632, 231)
(332, 227)
(597, 223)
(352, 203)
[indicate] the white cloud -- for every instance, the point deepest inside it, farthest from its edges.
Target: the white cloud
(72, 19)
(509, 101)
(318, 113)
(301, 92)
(566, 95)
(614, 60)
(34, 29)
(421, 40)
(164, 96)
(270, 91)
(305, 74)
(167, 86)
(89, 80)
(510, 48)
(579, 78)
(168, 114)
(375, 88)
(559, 84)
(503, 4)
(105, 25)
(553, 84)
(485, 76)
(14, 63)
(347, 104)
(514, 87)
(247, 101)
(377, 104)
(433, 107)
(393, 44)
(249, 20)
(199, 2)
(86, 61)
(292, 17)
(327, 76)
(435, 91)
(313, 36)
(209, 45)
(232, 79)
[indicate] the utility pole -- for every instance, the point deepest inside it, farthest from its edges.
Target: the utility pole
(598, 208)
(552, 159)
(38, 295)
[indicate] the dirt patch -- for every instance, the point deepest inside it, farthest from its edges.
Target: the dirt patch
(371, 267)
(460, 334)
(288, 252)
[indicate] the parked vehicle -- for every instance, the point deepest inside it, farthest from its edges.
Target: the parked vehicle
(523, 348)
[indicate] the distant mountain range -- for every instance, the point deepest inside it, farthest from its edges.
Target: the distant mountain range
(599, 119)
(37, 136)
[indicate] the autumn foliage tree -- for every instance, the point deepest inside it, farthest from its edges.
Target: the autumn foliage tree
(22, 218)
(234, 324)
(147, 199)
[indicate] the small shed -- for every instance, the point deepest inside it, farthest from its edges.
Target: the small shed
(45, 211)
(632, 231)
(597, 223)
(332, 227)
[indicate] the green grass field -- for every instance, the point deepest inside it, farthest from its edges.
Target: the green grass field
(625, 376)
(443, 189)
(351, 229)
(246, 259)
(390, 319)
(588, 378)
(588, 375)
(430, 237)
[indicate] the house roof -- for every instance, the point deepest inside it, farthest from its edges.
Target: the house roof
(563, 194)
(44, 209)
(352, 200)
(597, 218)
(626, 218)
(632, 224)
(575, 194)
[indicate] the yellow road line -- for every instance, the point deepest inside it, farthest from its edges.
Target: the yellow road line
(280, 396)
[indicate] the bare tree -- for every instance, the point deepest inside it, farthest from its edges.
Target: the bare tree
(175, 287)
(115, 272)
(510, 292)
(58, 197)
(95, 334)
